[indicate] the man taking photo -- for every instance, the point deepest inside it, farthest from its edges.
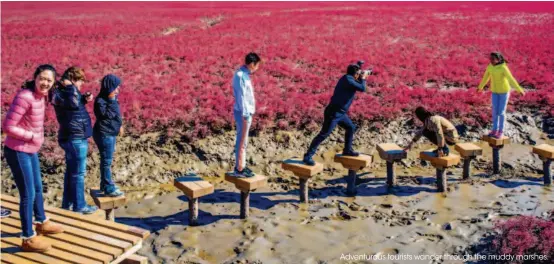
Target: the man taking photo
(336, 112)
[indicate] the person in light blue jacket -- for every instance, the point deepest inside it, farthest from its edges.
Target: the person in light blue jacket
(243, 110)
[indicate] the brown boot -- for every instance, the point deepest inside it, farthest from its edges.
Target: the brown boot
(49, 228)
(35, 244)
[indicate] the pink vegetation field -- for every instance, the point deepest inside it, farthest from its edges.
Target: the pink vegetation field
(177, 59)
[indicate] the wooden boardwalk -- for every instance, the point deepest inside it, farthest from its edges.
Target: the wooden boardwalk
(85, 240)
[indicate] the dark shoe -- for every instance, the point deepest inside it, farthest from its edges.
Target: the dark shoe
(239, 174)
(115, 193)
(112, 191)
(248, 172)
(350, 153)
(308, 161)
(88, 209)
(5, 213)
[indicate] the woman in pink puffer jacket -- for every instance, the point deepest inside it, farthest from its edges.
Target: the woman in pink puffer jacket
(24, 127)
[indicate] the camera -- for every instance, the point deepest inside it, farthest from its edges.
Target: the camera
(360, 63)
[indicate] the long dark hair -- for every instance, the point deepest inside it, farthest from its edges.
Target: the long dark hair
(31, 83)
(422, 113)
(499, 56)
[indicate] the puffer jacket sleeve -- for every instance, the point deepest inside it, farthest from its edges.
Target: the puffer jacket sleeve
(19, 107)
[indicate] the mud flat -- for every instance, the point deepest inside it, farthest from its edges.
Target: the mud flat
(408, 220)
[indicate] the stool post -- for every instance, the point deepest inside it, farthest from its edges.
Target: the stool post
(110, 214)
(193, 211)
(304, 190)
(496, 160)
(391, 176)
(547, 173)
(351, 187)
(467, 167)
(244, 204)
(441, 180)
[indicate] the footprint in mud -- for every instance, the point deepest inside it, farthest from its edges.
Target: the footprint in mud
(431, 237)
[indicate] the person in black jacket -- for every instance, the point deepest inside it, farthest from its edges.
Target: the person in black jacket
(75, 129)
(107, 127)
(336, 112)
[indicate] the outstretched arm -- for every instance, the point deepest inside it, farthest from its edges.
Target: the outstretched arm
(485, 80)
(512, 80)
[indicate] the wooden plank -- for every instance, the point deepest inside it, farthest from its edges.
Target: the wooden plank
(128, 253)
(91, 227)
(300, 169)
(10, 248)
(544, 150)
(54, 253)
(450, 160)
(135, 259)
(105, 202)
(86, 255)
(13, 226)
(496, 142)
(13, 259)
(136, 231)
(354, 163)
(247, 184)
(468, 149)
(101, 238)
(391, 152)
(75, 240)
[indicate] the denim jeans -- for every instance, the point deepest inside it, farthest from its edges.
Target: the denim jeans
(332, 118)
(76, 166)
(241, 143)
(106, 146)
(499, 105)
(25, 168)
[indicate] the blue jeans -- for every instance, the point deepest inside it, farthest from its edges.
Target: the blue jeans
(74, 180)
(499, 105)
(106, 146)
(25, 168)
(241, 142)
(332, 118)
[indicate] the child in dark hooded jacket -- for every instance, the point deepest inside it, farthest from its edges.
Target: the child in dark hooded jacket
(106, 129)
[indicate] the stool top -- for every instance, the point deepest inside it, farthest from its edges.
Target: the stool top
(246, 184)
(300, 169)
(496, 142)
(391, 152)
(443, 162)
(468, 149)
(354, 163)
(544, 150)
(106, 202)
(193, 186)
